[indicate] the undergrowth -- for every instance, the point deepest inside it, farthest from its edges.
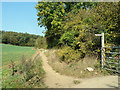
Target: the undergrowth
(29, 74)
(76, 69)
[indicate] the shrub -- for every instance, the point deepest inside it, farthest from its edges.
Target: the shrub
(13, 67)
(41, 43)
(29, 74)
(67, 38)
(68, 55)
(31, 68)
(85, 43)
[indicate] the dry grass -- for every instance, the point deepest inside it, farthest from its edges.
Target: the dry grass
(76, 69)
(29, 74)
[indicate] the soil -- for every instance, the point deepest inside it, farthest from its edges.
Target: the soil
(56, 80)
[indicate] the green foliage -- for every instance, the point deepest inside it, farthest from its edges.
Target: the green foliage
(13, 68)
(30, 68)
(53, 17)
(76, 82)
(79, 36)
(74, 25)
(20, 39)
(68, 55)
(41, 43)
(67, 38)
(108, 19)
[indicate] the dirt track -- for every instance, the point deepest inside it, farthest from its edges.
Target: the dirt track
(55, 80)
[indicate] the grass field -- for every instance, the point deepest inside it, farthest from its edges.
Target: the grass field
(15, 53)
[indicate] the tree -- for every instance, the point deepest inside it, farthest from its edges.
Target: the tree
(52, 16)
(21, 39)
(108, 19)
(40, 42)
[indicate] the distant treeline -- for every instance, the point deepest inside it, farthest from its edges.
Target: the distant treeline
(20, 39)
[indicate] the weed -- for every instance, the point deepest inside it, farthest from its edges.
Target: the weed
(29, 72)
(76, 82)
(69, 55)
(12, 66)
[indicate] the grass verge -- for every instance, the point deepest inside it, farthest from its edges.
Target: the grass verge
(19, 70)
(29, 74)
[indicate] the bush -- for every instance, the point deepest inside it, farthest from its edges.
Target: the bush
(85, 43)
(67, 38)
(31, 71)
(68, 55)
(41, 43)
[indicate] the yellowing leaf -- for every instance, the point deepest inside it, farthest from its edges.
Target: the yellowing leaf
(47, 8)
(60, 5)
(41, 4)
(63, 11)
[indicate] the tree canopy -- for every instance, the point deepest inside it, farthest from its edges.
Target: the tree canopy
(74, 24)
(53, 16)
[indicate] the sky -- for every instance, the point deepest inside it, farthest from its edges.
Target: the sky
(20, 17)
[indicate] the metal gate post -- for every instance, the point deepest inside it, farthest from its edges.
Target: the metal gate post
(102, 56)
(102, 48)
(119, 62)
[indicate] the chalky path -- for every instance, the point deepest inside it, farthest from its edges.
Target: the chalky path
(55, 80)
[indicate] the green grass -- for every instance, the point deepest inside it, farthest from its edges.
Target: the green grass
(18, 80)
(14, 53)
